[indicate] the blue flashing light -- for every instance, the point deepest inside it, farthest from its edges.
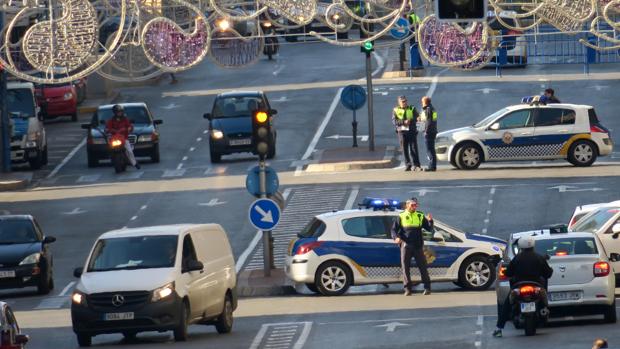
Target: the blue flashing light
(380, 204)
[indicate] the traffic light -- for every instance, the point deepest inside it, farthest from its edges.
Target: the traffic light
(367, 47)
(261, 132)
(461, 10)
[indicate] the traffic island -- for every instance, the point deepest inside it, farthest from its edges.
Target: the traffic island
(346, 159)
(253, 283)
(15, 180)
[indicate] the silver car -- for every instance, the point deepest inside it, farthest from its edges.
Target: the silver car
(582, 283)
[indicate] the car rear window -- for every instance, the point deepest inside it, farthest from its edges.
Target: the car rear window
(313, 229)
(594, 221)
(566, 246)
(592, 116)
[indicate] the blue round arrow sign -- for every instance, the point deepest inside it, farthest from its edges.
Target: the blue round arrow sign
(264, 214)
(353, 97)
(400, 29)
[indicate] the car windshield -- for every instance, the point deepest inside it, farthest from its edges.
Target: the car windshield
(563, 246)
(486, 121)
(138, 252)
(232, 107)
(595, 220)
(17, 232)
(19, 102)
(138, 115)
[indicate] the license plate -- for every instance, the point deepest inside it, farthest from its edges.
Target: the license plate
(118, 316)
(528, 307)
(7, 274)
(245, 141)
(564, 296)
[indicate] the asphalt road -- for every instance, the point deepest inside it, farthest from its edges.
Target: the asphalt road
(77, 204)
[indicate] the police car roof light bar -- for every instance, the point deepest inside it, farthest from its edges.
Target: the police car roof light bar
(380, 204)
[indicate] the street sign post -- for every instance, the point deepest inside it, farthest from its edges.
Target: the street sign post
(252, 181)
(264, 214)
(400, 29)
(353, 98)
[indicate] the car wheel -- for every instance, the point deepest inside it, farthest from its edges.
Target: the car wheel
(74, 117)
(333, 278)
(469, 156)
(155, 154)
(225, 321)
(44, 284)
(610, 313)
(180, 333)
(215, 157)
(312, 288)
(37, 162)
(45, 157)
(582, 153)
(92, 160)
(84, 340)
(476, 273)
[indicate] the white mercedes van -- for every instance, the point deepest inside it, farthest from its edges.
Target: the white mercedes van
(160, 278)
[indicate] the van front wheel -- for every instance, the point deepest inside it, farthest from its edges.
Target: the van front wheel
(180, 333)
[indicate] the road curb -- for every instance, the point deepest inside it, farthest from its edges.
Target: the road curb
(389, 160)
(253, 283)
(11, 182)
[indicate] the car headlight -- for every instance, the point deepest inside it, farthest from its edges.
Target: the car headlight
(217, 134)
(33, 136)
(442, 140)
(68, 96)
(78, 298)
(145, 138)
(163, 292)
(32, 259)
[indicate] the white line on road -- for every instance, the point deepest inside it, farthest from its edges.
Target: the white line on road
(380, 63)
(66, 289)
(244, 256)
(143, 207)
(134, 218)
(192, 149)
(179, 166)
(198, 139)
(320, 130)
(431, 90)
(352, 196)
(205, 132)
(184, 158)
(66, 159)
(480, 320)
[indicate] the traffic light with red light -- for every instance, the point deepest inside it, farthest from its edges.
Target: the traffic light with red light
(261, 133)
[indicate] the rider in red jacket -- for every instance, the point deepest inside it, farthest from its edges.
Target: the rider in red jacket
(120, 124)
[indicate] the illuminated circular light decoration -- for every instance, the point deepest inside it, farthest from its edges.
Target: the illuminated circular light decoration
(229, 49)
(170, 48)
(298, 11)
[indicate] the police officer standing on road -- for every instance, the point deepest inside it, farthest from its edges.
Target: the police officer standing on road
(407, 233)
(428, 117)
(404, 119)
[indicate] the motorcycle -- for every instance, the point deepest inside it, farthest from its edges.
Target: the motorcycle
(529, 306)
(116, 148)
(271, 41)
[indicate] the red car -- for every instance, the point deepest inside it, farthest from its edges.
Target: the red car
(57, 100)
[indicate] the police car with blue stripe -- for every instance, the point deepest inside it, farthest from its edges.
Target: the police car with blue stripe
(532, 130)
(354, 247)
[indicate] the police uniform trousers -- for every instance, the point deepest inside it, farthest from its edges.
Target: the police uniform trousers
(430, 151)
(409, 147)
(406, 253)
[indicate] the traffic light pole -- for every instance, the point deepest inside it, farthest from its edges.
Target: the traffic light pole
(267, 253)
(371, 122)
(4, 117)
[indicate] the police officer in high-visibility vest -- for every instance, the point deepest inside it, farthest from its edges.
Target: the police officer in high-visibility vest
(428, 117)
(404, 119)
(407, 233)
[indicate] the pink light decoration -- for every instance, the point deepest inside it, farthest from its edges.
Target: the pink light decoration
(445, 44)
(169, 46)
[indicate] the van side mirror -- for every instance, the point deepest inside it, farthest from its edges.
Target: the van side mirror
(273, 112)
(207, 116)
(494, 127)
(21, 339)
(77, 272)
(193, 265)
(49, 239)
(614, 257)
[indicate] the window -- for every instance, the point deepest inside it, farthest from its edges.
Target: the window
(367, 227)
(136, 252)
(594, 221)
(568, 117)
(13, 231)
(189, 253)
(566, 246)
(517, 119)
(313, 229)
(592, 117)
(10, 320)
(137, 115)
(20, 101)
(428, 236)
(555, 116)
(487, 121)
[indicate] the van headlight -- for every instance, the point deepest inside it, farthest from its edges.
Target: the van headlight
(78, 298)
(163, 292)
(217, 134)
(32, 259)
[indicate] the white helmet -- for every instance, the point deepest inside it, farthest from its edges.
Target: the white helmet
(526, 242)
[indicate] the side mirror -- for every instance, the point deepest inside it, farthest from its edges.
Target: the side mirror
(158, 122)
(437, 237)
(616, 228)
(86, 126)
(207, 116)
(21, 339)
(193, 265)
(273, 112)
(494, 127)
(77, 272)
(614, 257)
(49, 239)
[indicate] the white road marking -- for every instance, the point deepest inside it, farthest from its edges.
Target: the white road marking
(198, 139)
(184, 158)
(303, 328)
(66, 289)
(320, 130)
(88, 178)
(205, 132)
(52, 303)
(179, 166)
(433, 87)
(212, 202)
(133, 218)
(173, 173)
(391, 326)
(143, 207)
(380, 63)
(131, 175)
(192, 149)
(74, 212)
(352, 196)
(66, 159)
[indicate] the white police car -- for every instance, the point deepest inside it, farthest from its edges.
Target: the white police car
(533, 131)
(354, 247)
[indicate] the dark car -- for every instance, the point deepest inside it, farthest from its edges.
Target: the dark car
(145, 136)
(25, 257)
(11, 336)
(230, 123)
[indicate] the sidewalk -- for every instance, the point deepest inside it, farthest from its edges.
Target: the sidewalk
(349, 158)
(14, 180)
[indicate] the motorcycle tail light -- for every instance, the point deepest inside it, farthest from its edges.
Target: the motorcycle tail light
(528, 290)
(601, 269)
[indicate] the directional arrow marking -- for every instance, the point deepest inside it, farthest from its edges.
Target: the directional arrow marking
(281, 99)
(487, 90)
(562, 188)
(363, 138)
(170, 106)
(267, 216)
(212, 202)
(75, 211)
(598, 87)
(422, 192)
(568, 188)
(390, 327)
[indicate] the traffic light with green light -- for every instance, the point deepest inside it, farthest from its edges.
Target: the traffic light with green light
(367, 47)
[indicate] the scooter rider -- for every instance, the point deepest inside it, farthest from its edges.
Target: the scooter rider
(120, 124)
(526, 266)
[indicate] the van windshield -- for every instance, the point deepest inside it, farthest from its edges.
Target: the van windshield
(136, 252)
(20, 101)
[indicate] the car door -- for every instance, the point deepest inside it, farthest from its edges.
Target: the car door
(611, 243)
(441, 254)
(212, 285)
(553, 127)
(367, 241)
(192, 280)
(510, 137)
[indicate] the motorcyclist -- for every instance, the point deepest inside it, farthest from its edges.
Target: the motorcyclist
(119, 124)
(526, 266)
